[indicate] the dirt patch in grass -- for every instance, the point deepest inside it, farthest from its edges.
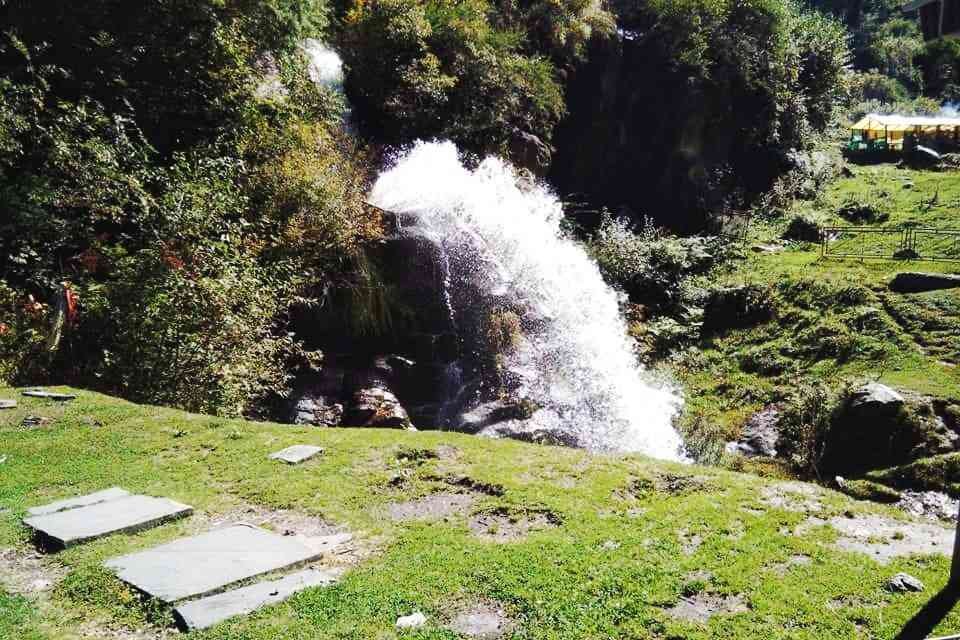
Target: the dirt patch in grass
(474, 486)
(483, 621)
(28, 572)
(669, 483)
(793, 496)
(444, 504)
(502, 525)
(436, 506)
(689, 542)
(797, 560)
(701, 607)
(101, 630)
(884, 539)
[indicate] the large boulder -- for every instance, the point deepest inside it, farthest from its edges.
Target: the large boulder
(317, 398)
(376, 407)
(874, 400)
(917, 282)
(879, 427)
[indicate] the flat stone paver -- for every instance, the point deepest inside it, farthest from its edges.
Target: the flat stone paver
(208, 563)
(123, 515)
(206, 612)
(113, 493)
(7, 404)
(49, 395)
(297, 453)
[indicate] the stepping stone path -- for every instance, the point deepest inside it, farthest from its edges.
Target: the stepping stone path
(206, 564)
(49, 395)
(113, 493)
(206, 612)
(7, 404)
(70, 522)
(297, 453)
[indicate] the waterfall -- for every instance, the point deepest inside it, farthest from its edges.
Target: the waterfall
(501, 236)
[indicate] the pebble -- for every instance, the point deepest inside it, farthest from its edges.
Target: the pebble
(413, 621)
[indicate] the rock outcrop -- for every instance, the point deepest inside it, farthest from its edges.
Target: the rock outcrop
(917, 282)
(760, 435)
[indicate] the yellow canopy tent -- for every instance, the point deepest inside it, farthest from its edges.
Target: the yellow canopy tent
(876, 132)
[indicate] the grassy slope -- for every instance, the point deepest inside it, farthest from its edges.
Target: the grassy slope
(558, 583)
(914, 343)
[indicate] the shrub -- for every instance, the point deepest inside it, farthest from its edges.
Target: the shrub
(805, 421)
(864, 211)
(737, 307)
(803, 227)
(434, 69)
(188, 215)
(654, 268)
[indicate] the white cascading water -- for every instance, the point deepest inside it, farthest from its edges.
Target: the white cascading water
(575, 361)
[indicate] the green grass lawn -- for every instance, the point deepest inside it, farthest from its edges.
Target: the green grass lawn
(621, 554)
(908, 341)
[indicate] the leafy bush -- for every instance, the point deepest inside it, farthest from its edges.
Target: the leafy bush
(803, 227)
(653, 267)
(187, 214)
(869, 210)
(436, 69)
(805, 421)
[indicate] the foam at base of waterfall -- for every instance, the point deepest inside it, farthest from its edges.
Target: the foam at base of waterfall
(502, 234)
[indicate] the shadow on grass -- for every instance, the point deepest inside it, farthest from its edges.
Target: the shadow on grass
(932, 614)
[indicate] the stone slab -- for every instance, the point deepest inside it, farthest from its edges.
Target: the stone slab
(113, 493)
(209, 563)
(48, 395)
(207, 612)
(7, 404)
(122, 515)
(297, 453)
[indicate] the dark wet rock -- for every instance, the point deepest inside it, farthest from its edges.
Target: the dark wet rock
(904, 582)
(877, 428)
(519, 430)
(916, 282)
(530, 152)
(760, 435)
(492, 413)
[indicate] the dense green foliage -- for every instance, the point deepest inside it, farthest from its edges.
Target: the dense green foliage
(697, 108)
(468, 71)
(141, 174)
